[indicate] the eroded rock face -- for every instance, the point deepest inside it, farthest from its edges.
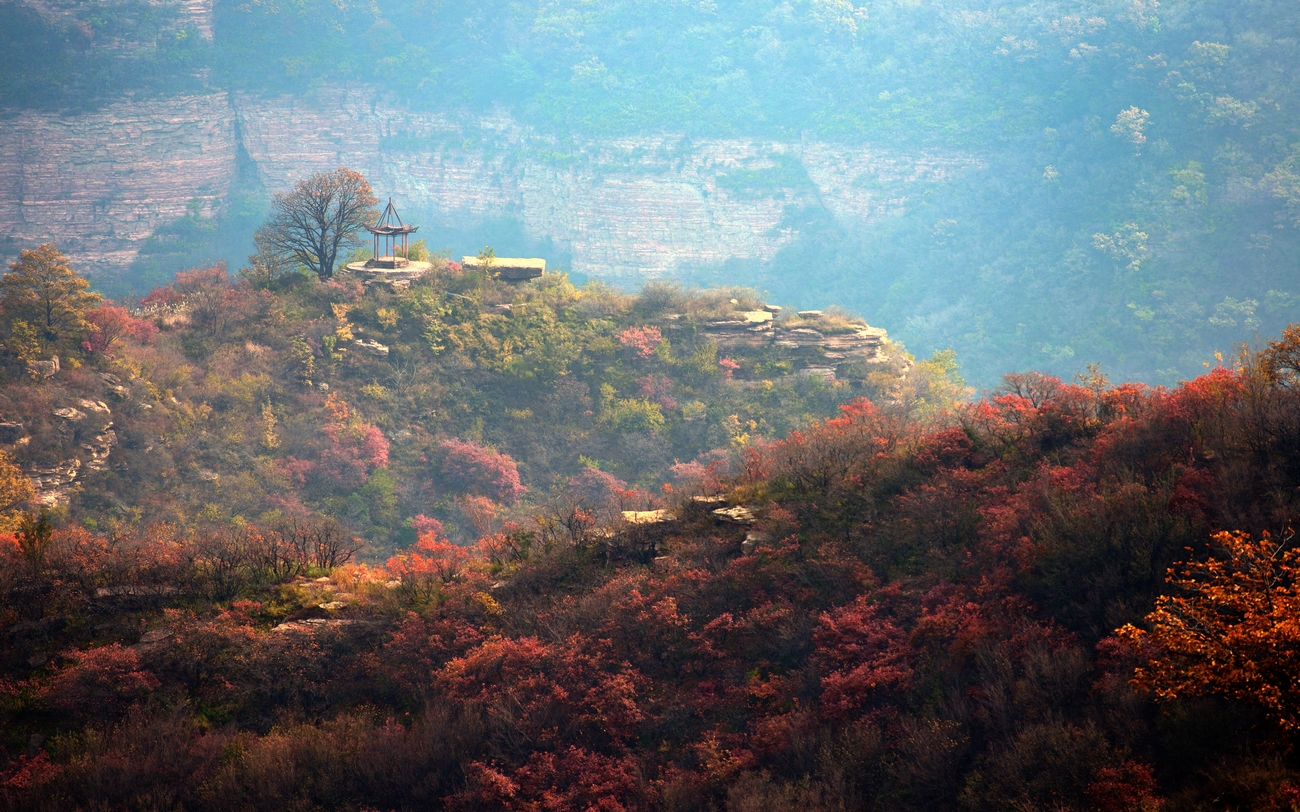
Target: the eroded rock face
(863, 343)
(646, 206)
(86, 440)
(101, 183)
(633, 206)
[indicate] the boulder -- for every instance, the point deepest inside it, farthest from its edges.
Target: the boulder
(44, 369)
(11, 432)
(752, 540)
(97, 406)
(735, 515)
(372, 347)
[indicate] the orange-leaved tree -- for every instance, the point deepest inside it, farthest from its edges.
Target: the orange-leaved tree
(1233, 630)
(15, 492)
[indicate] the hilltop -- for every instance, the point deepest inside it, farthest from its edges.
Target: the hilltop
(217, 400)
(1037, 185)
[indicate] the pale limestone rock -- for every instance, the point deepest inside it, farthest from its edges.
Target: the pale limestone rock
(44, 369)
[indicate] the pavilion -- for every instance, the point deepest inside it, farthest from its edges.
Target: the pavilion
(390, 234)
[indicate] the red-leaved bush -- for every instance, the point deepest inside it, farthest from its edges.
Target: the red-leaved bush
(644, 340)
(100, 681)
(470, 467)
(864, 657)
(355, 447)
(429, 562)
(110, 324)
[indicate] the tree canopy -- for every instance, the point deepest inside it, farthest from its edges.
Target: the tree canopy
(318, 217)
(42, 289)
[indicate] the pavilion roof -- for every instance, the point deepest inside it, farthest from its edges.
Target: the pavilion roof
(390, 223)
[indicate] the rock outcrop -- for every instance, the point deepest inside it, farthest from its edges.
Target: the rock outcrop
(82, 441)
(819, 351)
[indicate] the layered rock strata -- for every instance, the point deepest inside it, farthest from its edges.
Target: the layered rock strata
(821, 351)
(102, 182)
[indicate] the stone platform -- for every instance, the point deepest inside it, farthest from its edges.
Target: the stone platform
(400, 278)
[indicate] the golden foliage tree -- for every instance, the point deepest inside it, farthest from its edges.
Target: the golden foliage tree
(1234, 629)
(309, 224)
(15, 492)
(1281, 360)
(42, 289)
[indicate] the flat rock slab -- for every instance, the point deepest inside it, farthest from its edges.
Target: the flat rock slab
(648, 516)
(735, 515)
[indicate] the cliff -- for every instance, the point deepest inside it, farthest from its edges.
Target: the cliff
(627, 207)
(100, 183)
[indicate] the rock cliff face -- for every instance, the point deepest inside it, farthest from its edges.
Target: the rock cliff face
(100, 183)
(627, 207)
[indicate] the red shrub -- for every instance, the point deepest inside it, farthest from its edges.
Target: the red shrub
(573, 778)
(863, 656)
(597, 489)
(658, 389)
(1129, 787)
(427, 526)
(645, 340)
(99, 681)
(473, 468)
(110, 324)
(429, 562)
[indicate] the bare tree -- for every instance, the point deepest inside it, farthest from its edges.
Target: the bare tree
(322, 214)
(323, 544)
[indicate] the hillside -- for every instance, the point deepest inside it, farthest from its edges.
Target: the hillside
(912, 604)
(216, 399)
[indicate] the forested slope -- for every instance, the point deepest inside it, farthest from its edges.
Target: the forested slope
(241, 400)
(967, 610)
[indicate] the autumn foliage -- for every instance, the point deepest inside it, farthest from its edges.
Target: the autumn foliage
(908, 615)
(477, 469)
(1232, 628)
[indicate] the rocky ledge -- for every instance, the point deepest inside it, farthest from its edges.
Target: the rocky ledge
(395, 278)
(826, 342)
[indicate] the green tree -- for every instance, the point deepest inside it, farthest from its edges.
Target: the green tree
(43, 290)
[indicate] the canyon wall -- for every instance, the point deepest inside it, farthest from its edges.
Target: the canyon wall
(632, 207)
(101, 183)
